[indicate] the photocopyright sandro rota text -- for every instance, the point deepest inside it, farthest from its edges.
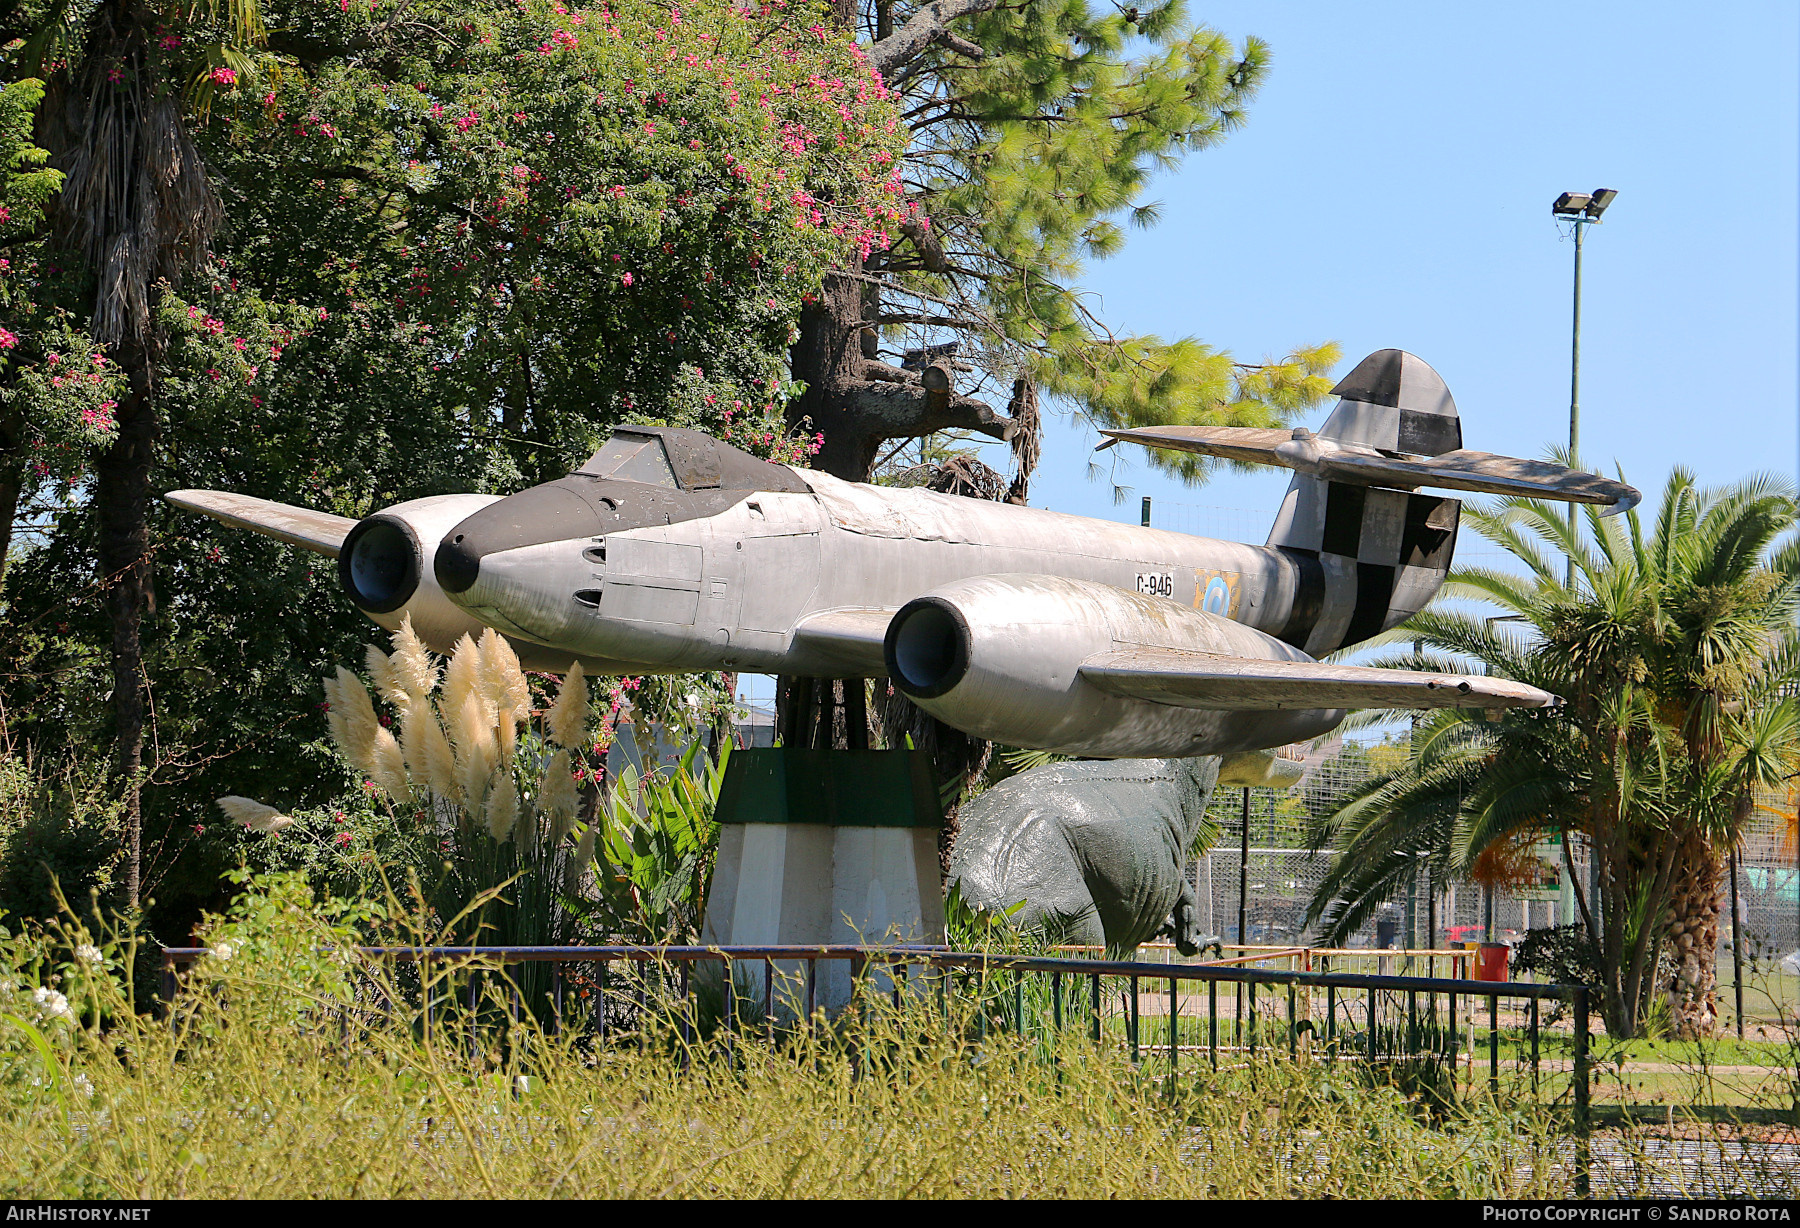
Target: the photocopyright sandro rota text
(1634, 1212)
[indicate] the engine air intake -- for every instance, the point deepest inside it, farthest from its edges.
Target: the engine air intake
(380, 564)
(927, 648)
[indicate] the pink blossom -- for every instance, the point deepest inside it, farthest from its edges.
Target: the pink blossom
(8, 339)
(224, 76)
(170, 41)
(627, 279)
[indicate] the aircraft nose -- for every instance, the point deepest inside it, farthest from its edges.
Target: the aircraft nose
(556, 511)
(457, 564)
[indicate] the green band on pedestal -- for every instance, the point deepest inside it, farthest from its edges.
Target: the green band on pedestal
(834, 788)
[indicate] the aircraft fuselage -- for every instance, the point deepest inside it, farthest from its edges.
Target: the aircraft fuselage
(726, 588)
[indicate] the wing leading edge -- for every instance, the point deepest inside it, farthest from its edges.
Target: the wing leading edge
(852, 641)
(1205, 680)
(320, 532)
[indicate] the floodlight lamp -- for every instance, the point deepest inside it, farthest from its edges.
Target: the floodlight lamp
(1570, 204)
(1601, 198)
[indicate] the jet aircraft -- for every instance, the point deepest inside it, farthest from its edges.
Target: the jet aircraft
(669, 551)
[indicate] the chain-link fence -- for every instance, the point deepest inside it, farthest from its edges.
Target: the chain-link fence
(1280, 875)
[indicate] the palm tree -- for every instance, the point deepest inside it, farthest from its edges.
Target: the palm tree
(125, 80)
(1673, 648)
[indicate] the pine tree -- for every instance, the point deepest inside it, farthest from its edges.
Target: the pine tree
(1033, 131)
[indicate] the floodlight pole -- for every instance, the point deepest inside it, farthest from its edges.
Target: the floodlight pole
(1582, 210)
(1581, 224)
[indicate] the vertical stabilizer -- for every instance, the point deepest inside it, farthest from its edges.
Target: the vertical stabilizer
(1370, 558)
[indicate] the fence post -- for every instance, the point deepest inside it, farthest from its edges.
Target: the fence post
(1579, 1005)
(1494, 1045)
(1212, 1021)
(1293, 1031)
(171, 986)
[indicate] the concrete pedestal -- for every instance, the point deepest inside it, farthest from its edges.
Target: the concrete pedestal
(824, 847)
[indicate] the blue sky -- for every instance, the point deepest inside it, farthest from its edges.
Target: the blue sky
(1392, 187)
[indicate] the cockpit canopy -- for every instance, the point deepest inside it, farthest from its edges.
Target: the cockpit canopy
(681, 459)
(631, 457)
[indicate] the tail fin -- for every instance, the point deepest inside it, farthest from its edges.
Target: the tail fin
(1371, 552)
(1371, 557)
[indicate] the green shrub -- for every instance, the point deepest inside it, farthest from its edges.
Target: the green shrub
(59, 837)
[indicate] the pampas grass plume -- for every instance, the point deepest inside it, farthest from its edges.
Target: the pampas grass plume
(503, 808)
(474, 735)
(461, 677)
(390, 766)
(428, 753)
(558, 796)
(579, 865)
(474, 785)
(334, 712)
(253, 814)
(360, 725)
(506, 730)
(384, 677)
(568, 718)
(502, 678)
(414, 669)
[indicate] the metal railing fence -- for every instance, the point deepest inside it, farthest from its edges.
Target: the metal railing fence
(1159, 1012)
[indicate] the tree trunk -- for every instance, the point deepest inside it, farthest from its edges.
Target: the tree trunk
(121, 498)
(1693, 939)
(828, 357)
(12, 485)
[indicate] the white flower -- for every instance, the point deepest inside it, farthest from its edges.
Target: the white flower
(223, 951)
(88, 953)
(84, 1085)
(50, 1004)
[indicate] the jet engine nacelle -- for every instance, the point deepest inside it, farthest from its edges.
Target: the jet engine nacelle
(385, 565)
(1000, 657)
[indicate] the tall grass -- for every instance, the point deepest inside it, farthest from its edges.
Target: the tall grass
(289, 1070)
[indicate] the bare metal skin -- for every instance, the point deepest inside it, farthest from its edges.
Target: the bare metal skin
(670, 552)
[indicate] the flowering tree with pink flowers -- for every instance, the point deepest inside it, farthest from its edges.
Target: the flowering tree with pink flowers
(389, 250)
(603, 213)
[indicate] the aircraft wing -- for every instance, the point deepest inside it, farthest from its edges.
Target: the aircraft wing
(320, 532)
(1462, 469)
(1205, 680)
(849, 639)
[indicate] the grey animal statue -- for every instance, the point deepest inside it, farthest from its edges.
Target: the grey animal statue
(1096, 849)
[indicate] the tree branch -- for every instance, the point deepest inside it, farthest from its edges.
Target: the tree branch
(908, 409)
(929, 25)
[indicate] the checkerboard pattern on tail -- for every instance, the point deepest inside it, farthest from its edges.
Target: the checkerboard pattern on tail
(1369, 558)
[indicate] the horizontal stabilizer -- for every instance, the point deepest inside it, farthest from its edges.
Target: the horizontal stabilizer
(320, 532)
(1359, 465)
(851, 640)
(1205, 680)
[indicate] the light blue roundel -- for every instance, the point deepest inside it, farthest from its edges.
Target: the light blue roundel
(1218, 596)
